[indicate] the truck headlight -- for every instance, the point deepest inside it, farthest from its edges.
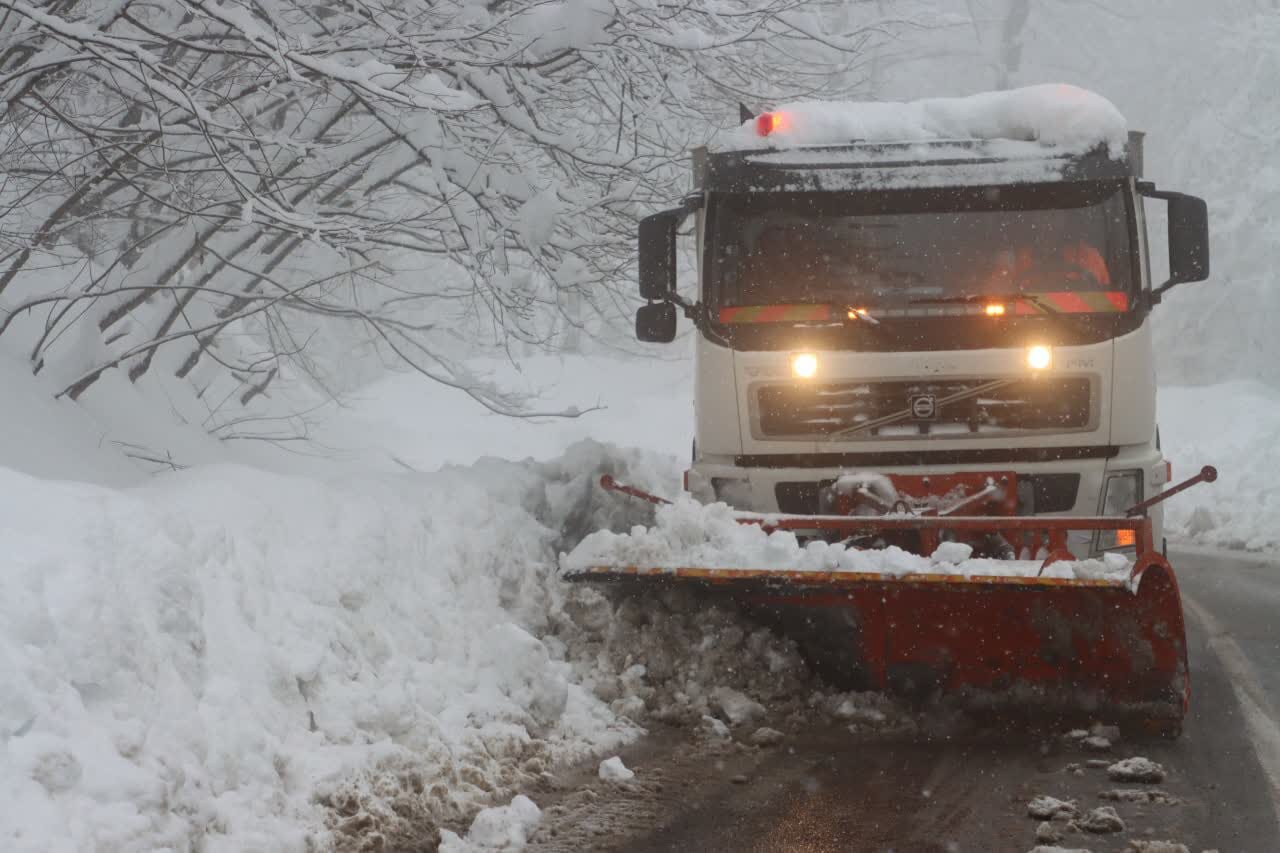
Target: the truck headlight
(804, 365)
(1039, 357)
(1121, 490)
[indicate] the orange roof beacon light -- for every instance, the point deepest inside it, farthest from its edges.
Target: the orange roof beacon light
(995, 309)
(767, 123)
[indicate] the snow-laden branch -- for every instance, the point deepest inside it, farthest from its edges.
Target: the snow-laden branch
(236, 192)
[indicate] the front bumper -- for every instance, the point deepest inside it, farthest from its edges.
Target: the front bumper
(788, 489)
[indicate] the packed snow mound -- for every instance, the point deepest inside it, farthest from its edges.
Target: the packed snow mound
(688, 534)
(1202, 426)
(1136, 769)
(1055, 114)
(500, 828)
(242, 660)
(613, 770)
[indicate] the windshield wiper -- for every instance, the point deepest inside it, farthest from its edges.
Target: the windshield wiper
(1034, 298)
(969, 297)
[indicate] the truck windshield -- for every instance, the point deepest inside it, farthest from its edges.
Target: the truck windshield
(916, 247)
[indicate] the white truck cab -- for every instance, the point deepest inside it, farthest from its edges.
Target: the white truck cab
(923, 310)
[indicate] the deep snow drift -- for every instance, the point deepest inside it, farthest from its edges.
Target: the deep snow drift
(240, 660)
(1232, 427)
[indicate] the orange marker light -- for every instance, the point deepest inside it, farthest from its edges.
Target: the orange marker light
(767, 123)
(857, 313)
(995, 310)
(1125, 538)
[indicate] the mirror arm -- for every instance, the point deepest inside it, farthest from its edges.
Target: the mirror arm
(1148, 189)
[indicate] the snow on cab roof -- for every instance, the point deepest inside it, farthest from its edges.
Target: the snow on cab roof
(1060, 115)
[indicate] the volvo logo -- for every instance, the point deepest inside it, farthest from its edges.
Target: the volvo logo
(924, 407)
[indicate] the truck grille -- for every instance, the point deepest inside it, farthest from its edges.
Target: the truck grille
(1036, 493)
(913, 408)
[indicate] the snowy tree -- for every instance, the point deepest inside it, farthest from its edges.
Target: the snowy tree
(215, 189)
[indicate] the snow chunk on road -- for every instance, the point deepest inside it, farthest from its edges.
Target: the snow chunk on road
(1101, 820)
(737, 707)
(1054, 114)
(714, 726)
(1047, 833)
(1044, 807)
(506, 828)
(613, 770)
(689, 534)
(1136, 769)
(765, 736)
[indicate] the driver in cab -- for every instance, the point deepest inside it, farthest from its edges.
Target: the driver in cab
(1047, 265)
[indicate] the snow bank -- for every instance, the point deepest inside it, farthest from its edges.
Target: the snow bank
(1231, 426)
(241, 660)
(689, 534)
(1055, 114)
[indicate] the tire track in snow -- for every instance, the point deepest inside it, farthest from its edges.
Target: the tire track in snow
(1260, 717)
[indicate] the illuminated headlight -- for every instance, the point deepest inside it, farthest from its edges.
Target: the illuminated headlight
(1121, 490)
(1039, 357)
(804, 365)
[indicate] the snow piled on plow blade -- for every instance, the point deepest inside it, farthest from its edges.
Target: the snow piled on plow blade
(686, 533)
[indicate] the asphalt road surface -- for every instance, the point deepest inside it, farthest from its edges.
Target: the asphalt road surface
(955, 793)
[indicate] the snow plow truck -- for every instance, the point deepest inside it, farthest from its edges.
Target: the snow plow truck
(931, 322)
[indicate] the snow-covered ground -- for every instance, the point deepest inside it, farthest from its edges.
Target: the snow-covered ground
(220, 652)
(244, 660)
(1232, 426)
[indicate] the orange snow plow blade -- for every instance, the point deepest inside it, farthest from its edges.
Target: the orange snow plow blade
(1107, 648)
(1059, 646)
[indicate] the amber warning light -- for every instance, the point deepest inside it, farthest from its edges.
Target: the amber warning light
(767, 123)
(995, 310)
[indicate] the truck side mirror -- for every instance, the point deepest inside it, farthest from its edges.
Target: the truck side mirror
(1188, 236)
(1188, 240)
(657, 246)
(656, 323)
